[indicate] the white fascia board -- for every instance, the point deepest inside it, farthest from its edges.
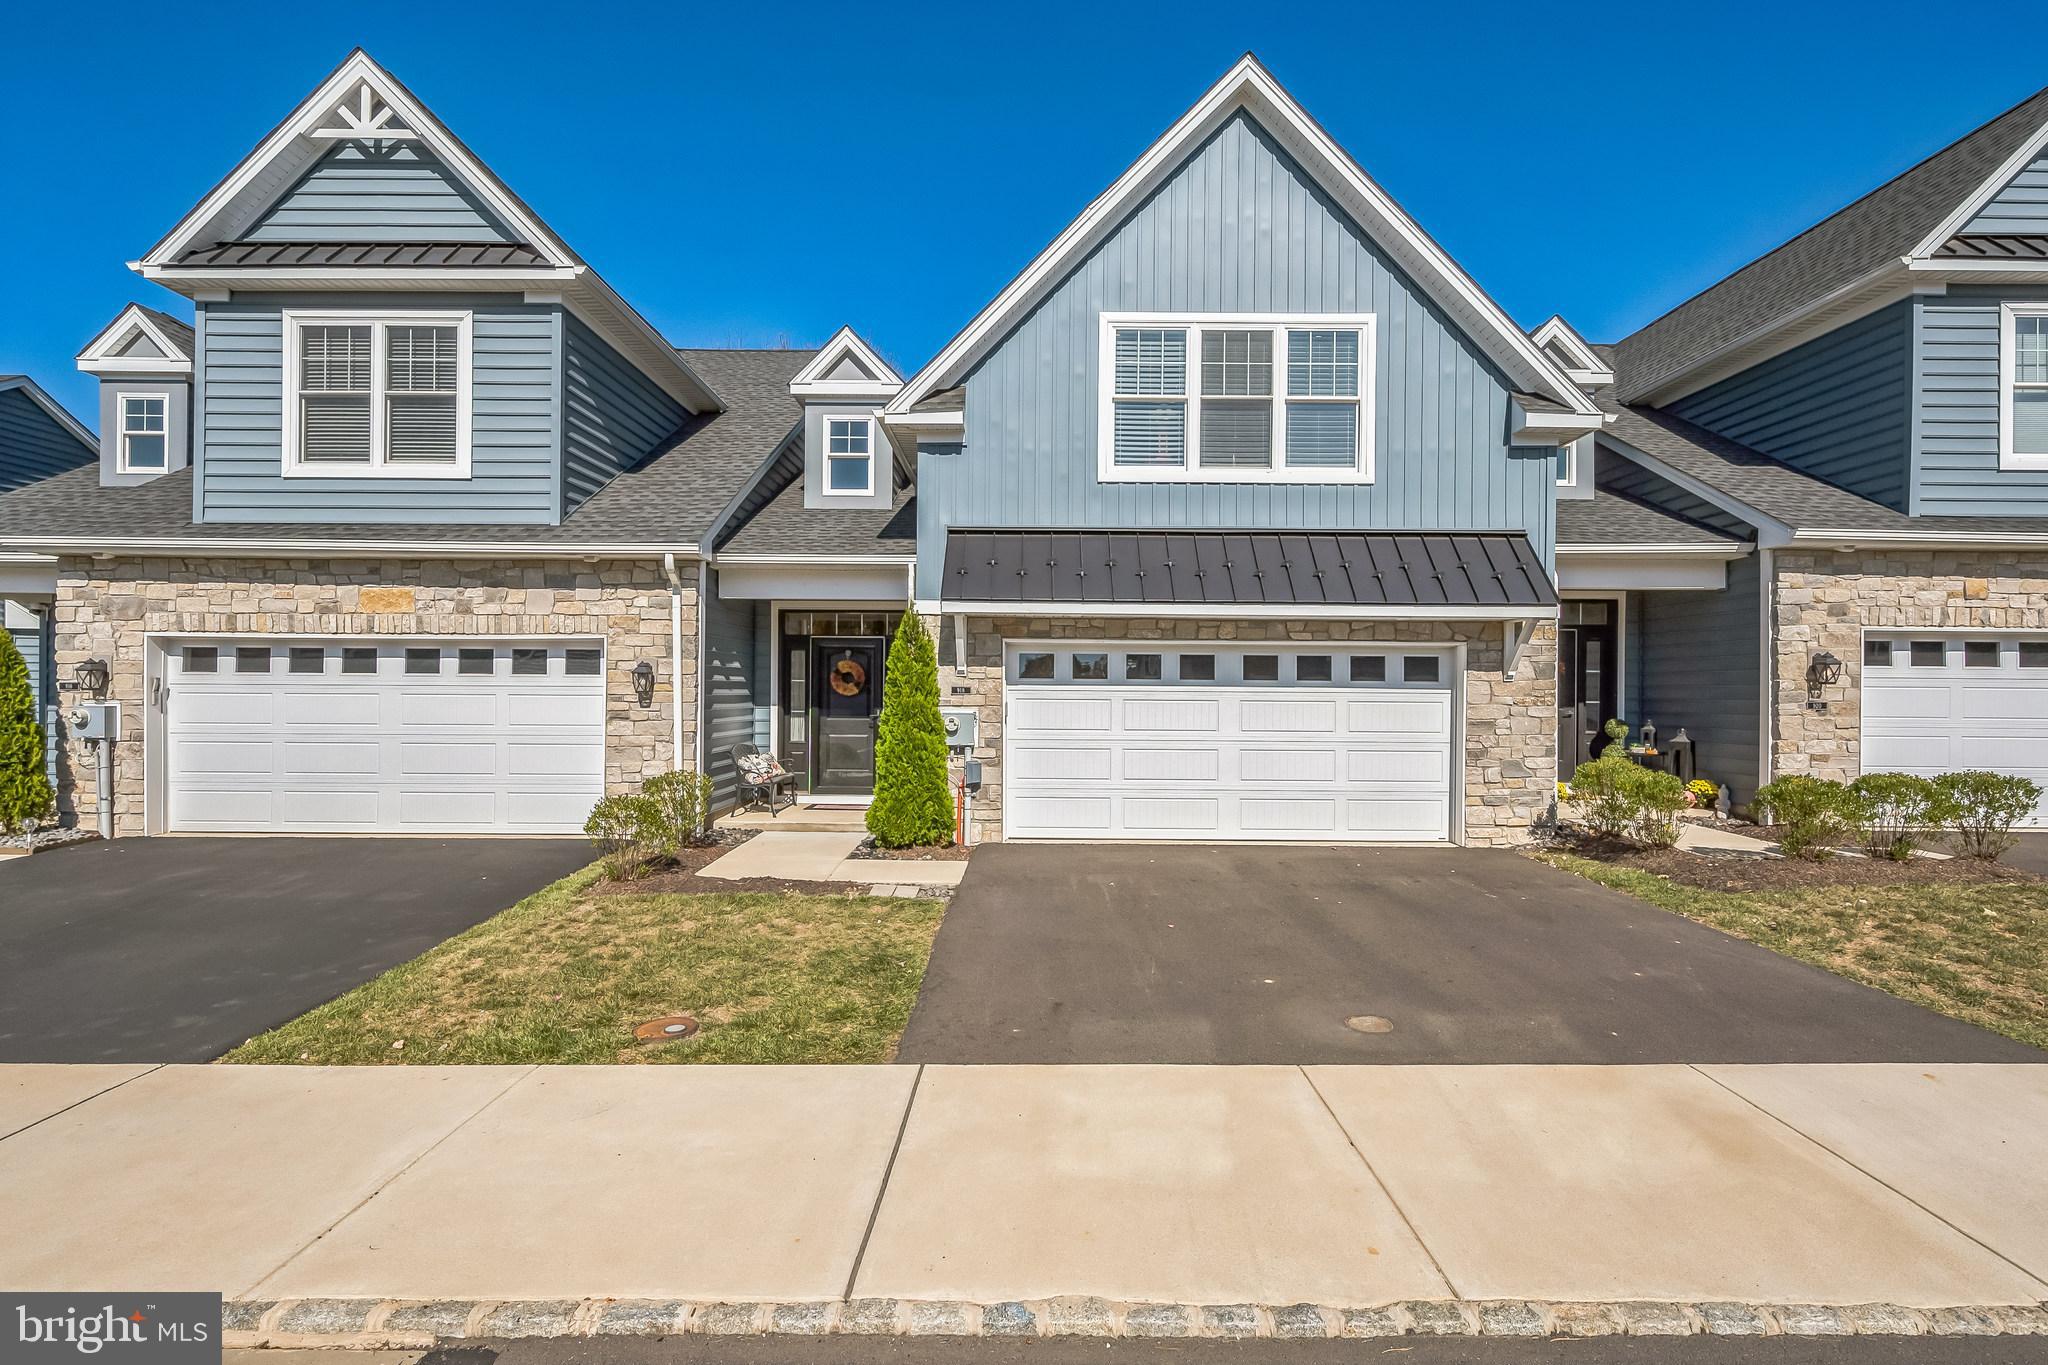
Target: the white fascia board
(813, 559)
(1732, 550)
(1770, 530)
(1973, 269)
(109, 546)
(191, 279)
(288, 150)
(136, 365)
(99, 355)
(23, 575)
(1219, 611)
(54, 408)
(812, 380)
(1590, 369)
(926, 423)
(1986, 190)
(1249, 86)
(1625, 573)
(1851, 539)
(1553, 428)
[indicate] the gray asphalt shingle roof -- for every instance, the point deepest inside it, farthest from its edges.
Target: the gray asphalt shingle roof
(784, 526)
(179, 333)
(670, 499)
(1882, 226)
(1609, 518)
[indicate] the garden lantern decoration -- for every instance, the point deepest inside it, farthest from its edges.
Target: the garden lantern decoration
(643, 682)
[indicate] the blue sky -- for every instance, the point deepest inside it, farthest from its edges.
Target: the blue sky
(757, 174)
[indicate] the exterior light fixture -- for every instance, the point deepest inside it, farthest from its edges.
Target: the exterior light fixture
(1825, 670)
(93, 675)
(643, 682)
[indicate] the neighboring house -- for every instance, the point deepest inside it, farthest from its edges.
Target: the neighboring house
(38, 438)
(1241, 513)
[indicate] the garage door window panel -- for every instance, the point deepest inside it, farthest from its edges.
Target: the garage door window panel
(252, 659)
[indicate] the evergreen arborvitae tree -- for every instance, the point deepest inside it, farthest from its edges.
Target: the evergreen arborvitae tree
(24, 783)
(913, 795)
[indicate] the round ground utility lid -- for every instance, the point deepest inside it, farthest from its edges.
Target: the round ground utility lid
(666, 1029)
(1369, 1023)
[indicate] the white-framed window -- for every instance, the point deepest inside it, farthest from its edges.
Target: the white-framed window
(2023, 386)
(1568, 462)
(145, 432)
(849, 454)
(1236, 398)
(383, 395)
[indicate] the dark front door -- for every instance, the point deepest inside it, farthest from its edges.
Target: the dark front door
(847, 685)
(1586, 647)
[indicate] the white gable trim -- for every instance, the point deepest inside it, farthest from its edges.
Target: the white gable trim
(102, 354)
(53, 407)
(1249, 86)
(814, 381)
(1973, 204)
(1586, 366)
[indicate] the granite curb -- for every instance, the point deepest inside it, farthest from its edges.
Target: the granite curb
(405, 1324)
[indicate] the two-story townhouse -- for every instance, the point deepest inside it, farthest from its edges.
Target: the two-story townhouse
(38, 439)
(1858, 416)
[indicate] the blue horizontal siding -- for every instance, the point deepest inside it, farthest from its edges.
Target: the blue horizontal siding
(33, 642)
(1694, 665)
(515, 419)
(1837, 408)
(33, 444)
(1957, 473)
(1238, 227)
(735, 687)
(2021, 207)
(384, 192)
(613, 415)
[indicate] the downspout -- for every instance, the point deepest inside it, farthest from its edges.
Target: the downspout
(703, 664)
(675, 651)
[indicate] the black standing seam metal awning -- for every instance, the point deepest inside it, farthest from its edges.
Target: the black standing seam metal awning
(1247, 568)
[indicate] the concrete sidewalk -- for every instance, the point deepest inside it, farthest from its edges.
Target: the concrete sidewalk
(824, 856)
(975, 1193)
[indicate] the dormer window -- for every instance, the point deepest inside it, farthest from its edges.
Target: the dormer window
(1202, 398)
(145, 432)
(2023, 387)
(384, 395)
(849, 456)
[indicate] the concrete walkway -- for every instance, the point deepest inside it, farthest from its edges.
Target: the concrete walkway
(820, 856)
(1917, 1185)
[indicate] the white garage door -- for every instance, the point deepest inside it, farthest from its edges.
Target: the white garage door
(405, 737)
(1205, 741)
(1934, 704)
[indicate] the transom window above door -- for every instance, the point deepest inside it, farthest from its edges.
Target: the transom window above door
(377, 395)
(1224, 398)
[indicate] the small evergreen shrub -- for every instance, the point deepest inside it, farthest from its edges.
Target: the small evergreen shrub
(615, 828)
(1817, 814)
(1896, 807)
(1981, 808)
(1621, 799)
(675, 810)
(25, 797)
(913, 802)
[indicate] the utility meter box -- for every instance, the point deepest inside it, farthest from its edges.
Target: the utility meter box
(96, 720)
(962, 726)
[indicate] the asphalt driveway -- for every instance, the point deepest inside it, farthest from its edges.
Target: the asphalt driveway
(178, 949)
(1183, 954)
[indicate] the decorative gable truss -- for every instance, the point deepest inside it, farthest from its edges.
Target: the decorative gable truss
(361, 114)
(1250, 88)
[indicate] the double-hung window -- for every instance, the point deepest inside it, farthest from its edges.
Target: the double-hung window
(849, 455)
(1212, 398)
(2023, 386)
(144, 432)
(383, 395)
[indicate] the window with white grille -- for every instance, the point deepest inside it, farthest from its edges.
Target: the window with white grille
(145, 432)
(383, 395)
(2023, 391)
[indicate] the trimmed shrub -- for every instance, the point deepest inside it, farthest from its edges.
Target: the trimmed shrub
(1981, 808)
(614, 828)
(1622, 799)
(913, 796)
(25, 797)
(1657, 798)
(1817, 814)
(1616, 731)
(1896, 807)
(675, 808)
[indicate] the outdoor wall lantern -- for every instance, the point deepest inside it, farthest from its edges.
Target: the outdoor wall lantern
(1825, 670)
(643, 682)
(92, 676)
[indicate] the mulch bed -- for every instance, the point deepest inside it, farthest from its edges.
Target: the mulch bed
(1730, 871)
(680, 876)
(949, 853)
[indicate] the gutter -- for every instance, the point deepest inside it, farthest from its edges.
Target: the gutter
(1227, 611)
(1918, 540)
(101, 547)
(1738, 550)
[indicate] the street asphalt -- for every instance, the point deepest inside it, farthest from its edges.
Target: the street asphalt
(1205, 955)
(178, 949)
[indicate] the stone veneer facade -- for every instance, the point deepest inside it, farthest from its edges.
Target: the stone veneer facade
(1823, 599)
(106, 607)
(1510, 724)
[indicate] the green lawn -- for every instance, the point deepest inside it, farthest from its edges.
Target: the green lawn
(1977, 951)
(565, 975)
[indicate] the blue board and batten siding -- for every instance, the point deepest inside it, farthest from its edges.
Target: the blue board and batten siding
(1836, 407)
(613, 415)
(516, 424)
(1956, 400)
(2021, 207)
(33, 444)
(382, 192)
(1239, 227)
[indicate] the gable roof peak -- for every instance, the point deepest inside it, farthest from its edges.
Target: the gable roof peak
(846, 366)
(170, 339)
(1573, 353)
